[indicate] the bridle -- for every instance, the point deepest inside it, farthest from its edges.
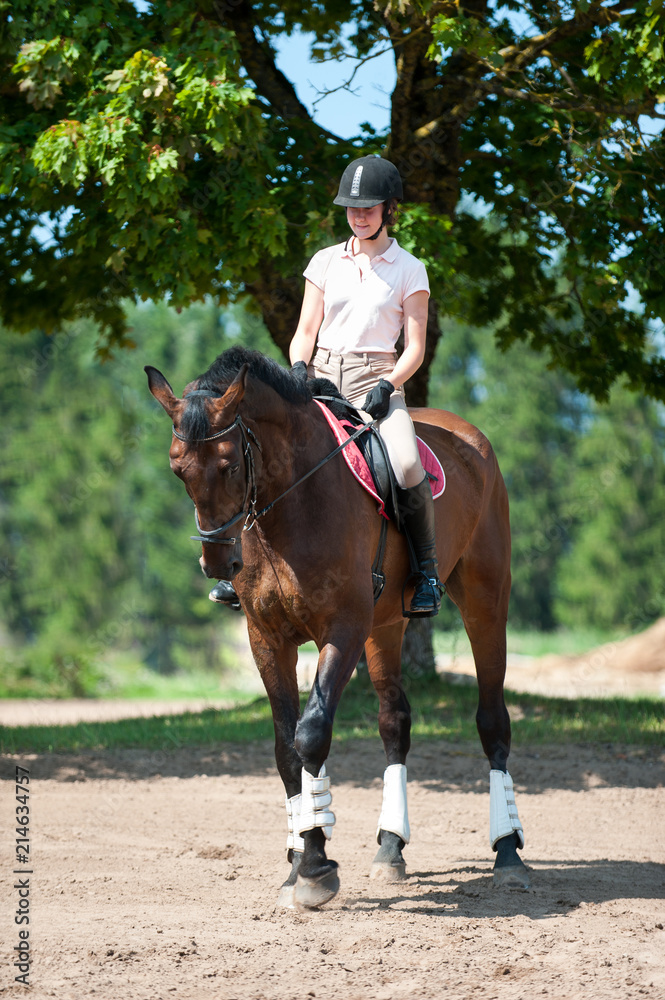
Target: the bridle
(248, 510)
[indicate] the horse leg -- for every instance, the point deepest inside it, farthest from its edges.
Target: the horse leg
(276, 661)
(317, 879)
(383, 649)
(481, 591)
(493, 722)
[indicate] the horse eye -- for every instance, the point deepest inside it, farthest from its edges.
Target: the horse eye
(231, 470)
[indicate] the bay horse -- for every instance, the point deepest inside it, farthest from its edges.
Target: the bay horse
(300, 550)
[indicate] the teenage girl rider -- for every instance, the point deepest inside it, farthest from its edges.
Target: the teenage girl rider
(358, 296)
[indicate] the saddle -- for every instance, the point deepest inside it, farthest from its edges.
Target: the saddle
(367, 457)
(368, 460)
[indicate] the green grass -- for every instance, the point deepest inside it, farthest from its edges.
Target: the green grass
(130, 679)
(124, 676)
(562, 642)
(439, 711)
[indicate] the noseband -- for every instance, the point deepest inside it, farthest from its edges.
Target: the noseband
(249, 511)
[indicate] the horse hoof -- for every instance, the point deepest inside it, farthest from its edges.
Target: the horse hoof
(312, 892)
(384, 872)
(511, 878)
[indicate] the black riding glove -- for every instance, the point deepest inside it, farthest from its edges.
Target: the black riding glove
(299, 371)
(377, 400)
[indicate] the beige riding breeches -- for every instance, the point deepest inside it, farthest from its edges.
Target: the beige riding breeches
(354, 375)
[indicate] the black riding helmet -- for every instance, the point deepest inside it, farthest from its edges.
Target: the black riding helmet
(370, 181)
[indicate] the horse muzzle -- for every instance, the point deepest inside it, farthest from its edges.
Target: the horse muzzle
(221, 566)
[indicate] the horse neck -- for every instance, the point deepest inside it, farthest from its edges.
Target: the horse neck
(289, 438)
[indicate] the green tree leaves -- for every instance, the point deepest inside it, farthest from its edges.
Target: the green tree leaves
(468, 34)
(172, 158)
(95, 554)
(130, 147)
(44, 67)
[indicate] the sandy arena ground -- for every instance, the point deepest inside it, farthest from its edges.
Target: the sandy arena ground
(155, 874)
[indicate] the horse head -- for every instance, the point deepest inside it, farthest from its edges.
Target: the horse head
(211, 454)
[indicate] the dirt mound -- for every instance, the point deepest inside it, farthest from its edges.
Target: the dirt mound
(630, 667)
(644, 652)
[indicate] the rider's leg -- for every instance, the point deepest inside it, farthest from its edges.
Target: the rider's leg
(354, 375)
(416, 507)
(417, 513)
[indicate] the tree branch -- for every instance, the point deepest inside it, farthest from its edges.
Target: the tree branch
(360, 62)
(587, 105)
(484, 154)
(470, 88)
(479, 89)
(597, 16)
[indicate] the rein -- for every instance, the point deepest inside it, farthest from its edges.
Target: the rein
(250, 514)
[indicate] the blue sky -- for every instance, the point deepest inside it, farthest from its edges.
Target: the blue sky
(344, 111)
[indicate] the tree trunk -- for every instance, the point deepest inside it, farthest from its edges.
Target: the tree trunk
(417, 650)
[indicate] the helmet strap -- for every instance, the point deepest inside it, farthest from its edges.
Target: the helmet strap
(384, 221)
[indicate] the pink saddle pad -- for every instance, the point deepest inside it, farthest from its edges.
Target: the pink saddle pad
(359, 468)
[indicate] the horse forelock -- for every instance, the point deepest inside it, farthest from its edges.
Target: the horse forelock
(195, 424)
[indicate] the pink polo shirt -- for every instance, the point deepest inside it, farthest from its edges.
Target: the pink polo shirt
(364, 311)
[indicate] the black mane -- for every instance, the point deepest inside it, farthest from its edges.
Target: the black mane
(218, 378)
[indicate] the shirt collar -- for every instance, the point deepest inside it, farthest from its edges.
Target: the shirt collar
(389, 255)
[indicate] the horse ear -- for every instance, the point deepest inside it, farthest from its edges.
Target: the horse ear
(235, 392)
(163, 392)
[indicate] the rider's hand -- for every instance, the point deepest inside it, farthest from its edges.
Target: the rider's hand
(299, 371)
(377, 400)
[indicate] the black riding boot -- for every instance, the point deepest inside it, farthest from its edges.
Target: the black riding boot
(416, 508)
(224, 593)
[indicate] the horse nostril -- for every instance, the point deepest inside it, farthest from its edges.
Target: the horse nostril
(233, 568)
(221, 571)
